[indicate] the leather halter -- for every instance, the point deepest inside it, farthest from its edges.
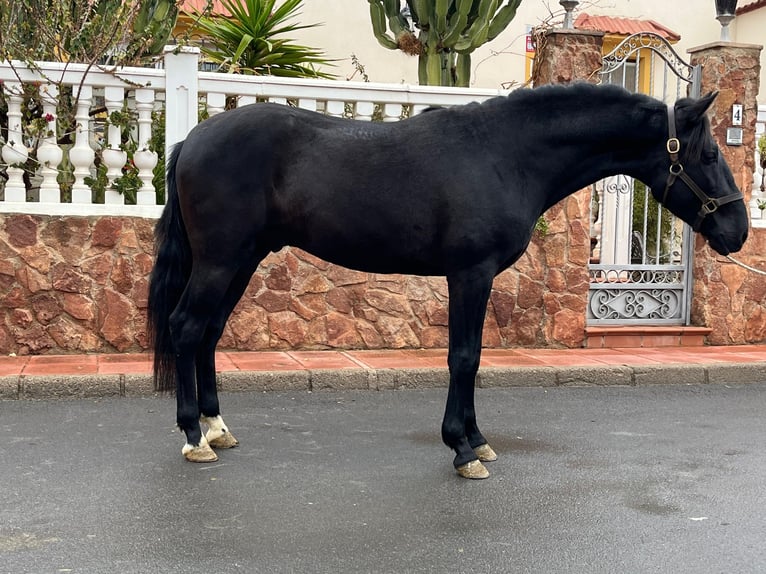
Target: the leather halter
(709, 204)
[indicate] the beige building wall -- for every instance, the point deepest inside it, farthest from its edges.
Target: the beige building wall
(346, 29)
(750, 28)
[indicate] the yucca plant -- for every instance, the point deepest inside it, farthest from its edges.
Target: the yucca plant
(248, 40)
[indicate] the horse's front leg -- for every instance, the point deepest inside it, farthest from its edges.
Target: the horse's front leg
(468, 296)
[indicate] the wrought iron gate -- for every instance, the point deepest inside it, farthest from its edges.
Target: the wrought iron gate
(640, 270)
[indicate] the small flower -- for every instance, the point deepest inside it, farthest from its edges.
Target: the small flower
(49, 118)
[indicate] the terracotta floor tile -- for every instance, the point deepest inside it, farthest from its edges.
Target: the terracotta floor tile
(427, 358)
(508, 358)
(430, 353)
(751, 356)
(556, 357)
(62, 365)
(125, 358)
(673, 355)
(264, 361)
(382, 359)
(125, 368)
(618, 356)
(741, 353)
(223, 362)
(125, 364)
(12, 365)
(323, 360)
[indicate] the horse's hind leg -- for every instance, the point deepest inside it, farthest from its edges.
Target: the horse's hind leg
(468, 296)
(218, 434)
(189, 321)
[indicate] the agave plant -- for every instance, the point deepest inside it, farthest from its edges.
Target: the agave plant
(247, 41)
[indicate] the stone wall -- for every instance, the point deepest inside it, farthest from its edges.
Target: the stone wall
(726, 297)
(79, 284)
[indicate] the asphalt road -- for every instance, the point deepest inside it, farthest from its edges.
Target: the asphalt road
(614, 480)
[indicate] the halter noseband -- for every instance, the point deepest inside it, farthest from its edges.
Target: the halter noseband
(709, 204)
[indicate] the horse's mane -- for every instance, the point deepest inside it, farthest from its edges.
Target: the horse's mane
(580, 92)
(586, 93)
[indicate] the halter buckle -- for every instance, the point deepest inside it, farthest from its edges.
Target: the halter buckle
(709, 206)
(673, 146)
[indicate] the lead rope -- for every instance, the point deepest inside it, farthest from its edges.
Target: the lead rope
(744, 266)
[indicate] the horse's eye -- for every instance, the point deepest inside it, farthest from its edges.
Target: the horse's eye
(709, 157)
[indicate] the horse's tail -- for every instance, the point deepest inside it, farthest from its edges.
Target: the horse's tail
(170, 274)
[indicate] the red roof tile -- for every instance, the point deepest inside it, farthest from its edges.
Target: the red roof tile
(750, 7)
(624, 26)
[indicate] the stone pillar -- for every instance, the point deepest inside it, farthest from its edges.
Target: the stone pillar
(564, 56)
(552, 277)
(727, 298)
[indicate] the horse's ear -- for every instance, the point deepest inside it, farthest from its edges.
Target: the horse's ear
(695, 109)
(707, 100)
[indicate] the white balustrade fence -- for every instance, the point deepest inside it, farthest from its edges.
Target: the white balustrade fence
(184, 94)
(758, 198)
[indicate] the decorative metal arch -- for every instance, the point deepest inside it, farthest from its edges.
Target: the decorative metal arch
(658, 45)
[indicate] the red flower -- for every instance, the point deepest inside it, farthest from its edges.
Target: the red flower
(49, 117)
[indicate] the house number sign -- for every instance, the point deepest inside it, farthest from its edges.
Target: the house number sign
(734, 134)
(736, 115)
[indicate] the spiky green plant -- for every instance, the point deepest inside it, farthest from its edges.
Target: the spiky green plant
(449, 31)
(249, 41)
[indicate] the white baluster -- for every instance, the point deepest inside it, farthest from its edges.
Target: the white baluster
(14, 150)
(114, 158)
(364, 111)
(49, 154)
(216, 103)
(758, 193)
(278, 100)
(597, 226)
(392, 112)
(82, 155)
(418, 109)
(307, 104)
(245, 101)
(145, 159)
(335, 108)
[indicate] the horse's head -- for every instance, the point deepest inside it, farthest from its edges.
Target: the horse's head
(696, 183)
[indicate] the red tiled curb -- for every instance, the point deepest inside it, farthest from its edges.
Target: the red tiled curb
(140, 364)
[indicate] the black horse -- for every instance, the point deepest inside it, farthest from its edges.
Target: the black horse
(453, 192)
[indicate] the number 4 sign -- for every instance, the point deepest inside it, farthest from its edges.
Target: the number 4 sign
(736, 115)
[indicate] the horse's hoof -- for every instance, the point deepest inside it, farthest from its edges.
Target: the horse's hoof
(485, 453)
(200, 453)
(473, 470)
(218, 435)
(225, 440)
